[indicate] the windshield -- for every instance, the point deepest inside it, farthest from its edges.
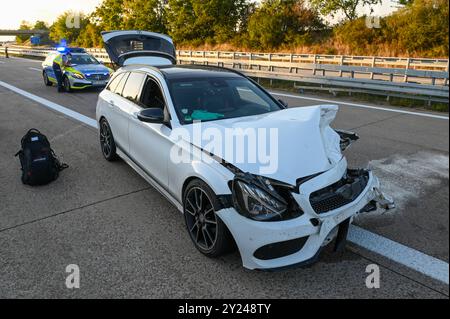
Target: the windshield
(218, 98)
(82, 59)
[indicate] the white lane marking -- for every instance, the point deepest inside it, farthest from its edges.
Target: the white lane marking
(35, 69)
(56, 107)
(2, 62)
(363, 106)
(27, 60)
(411, 258)
(401, 254)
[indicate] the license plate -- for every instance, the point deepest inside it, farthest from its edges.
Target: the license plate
(98, 82)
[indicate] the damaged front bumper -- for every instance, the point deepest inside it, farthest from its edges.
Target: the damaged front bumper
(278, 244)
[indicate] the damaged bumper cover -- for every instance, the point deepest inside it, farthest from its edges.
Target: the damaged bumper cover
(278, 244)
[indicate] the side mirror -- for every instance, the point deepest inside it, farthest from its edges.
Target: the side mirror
(283, 103)
(151, 115)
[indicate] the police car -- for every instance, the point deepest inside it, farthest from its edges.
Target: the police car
(82, 71)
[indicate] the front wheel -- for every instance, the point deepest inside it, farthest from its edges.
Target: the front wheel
(47, 81)
(66, 83)
(207, 231)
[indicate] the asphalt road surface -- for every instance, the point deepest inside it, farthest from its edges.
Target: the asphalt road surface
(128, 241)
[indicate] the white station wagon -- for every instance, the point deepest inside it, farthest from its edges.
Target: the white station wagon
(244, 169)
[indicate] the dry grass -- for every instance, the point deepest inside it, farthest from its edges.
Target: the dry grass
(327, 47)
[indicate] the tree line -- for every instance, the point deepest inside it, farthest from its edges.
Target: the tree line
(416, 28)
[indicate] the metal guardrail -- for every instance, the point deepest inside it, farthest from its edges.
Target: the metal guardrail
(425, 79)
(414, 78)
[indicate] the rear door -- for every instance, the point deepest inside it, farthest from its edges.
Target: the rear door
(48, 66)
(118, 110)
(139, 47)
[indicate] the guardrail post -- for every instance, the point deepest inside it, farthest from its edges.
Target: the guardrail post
(270, 67)
(291, 60)
(373, 65)
(315, 61)
(408, 62)
(341, 63)
(446, 79)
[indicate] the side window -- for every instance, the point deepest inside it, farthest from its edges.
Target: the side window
(133, 86)
(114, 82)
(152, 95)
(119, 88)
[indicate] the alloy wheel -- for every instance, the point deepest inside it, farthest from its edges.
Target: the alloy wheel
(105, 139)
(201, 218)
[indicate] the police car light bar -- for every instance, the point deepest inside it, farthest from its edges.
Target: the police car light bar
(71, 50)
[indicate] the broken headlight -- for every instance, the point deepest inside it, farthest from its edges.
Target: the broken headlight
(347, 138)
(254, 198)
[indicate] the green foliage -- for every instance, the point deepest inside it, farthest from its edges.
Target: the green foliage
(110, 15)
(347, 7)
(65, 27)
(417, 28)
(40, 25)
(282, 22)
(205, 21)
(23, 38)
(358, 37)
(89, 37)
(420, 28)
(144, 15)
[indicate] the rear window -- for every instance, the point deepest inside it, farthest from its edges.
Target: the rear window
(126, 43)
(133, 86)
(114, 82)
(119, 88)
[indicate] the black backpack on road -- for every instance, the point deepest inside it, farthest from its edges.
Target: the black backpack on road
(39, 163)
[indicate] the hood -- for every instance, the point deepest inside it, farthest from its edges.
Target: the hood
(91, 68)
(289, 144)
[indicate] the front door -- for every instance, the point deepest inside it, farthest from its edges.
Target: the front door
(149, 142)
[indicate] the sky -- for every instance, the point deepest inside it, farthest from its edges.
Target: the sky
(13, 12)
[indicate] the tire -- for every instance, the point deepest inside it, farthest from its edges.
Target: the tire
(66, 84)
(207, 231)
(47, 81)
(107, 144)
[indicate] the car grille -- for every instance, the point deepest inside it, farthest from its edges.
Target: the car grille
(97, 77)
(341, 193)
(280, 249)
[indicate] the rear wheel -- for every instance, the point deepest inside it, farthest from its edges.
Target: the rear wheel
(47, 81)
(207, 231)
(66, 83)
(107, 143)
